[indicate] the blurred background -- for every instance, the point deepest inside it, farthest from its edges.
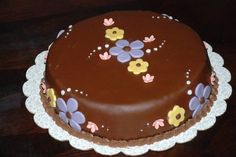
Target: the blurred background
(27, 27)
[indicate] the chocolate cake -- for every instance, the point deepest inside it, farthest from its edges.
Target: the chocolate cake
(128, 78)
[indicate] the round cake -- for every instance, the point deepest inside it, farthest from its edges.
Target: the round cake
(128, 78)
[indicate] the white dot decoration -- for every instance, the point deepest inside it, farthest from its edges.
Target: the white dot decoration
(190, 92)
(107, 45)
(70, 26)
(148, 50)
(141, 130)
(107, 129)
(187, 73)
(160, 46)
(148, 124)
(158, 17)
(86, 94)
(155, 49)
(63, 92)
(99, 48)
(81, 92)
(188, 82)
(94, 50)
(153, 17)
(68, 89)
(187, 76)
(67, 33)
(102, 126)
(76, 90)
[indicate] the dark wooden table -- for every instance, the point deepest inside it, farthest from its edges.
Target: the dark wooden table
(27, 27)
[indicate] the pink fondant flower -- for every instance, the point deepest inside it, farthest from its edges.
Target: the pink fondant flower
(92, 126)
(158, 123)
(108, 22)
(149, 39)
(105, 56)
(213, 78)
(148, 78)
(43, 87)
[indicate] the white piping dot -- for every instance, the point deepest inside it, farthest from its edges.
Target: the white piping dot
(158, 17)
(76, 90)
(63, 92)
(81, 92)
(160, 46)
(90, 53)
(86, 94)
(188, 82)
(148, 124)
(155, 49)
(67, 33)
(153, 17)
(190, 92)
(148, 50)
(141, 130)
(94, 50)
(70, 26)
(106, 45)
(68, 89)
(102, 126)
(99, 48)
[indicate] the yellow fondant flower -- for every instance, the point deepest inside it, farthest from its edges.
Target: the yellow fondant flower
(138, 66)
(51, 97)
(176, 116)
(114, 33)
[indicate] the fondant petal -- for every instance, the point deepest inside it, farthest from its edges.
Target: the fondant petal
(197, 110)
(207, 92)
(137, 44)
(122, 43)
(123, 57)
(63, 117)
(74, 125)
(61, 105)
(199, 90)
(72, 105)
(115, 51)
(78, 117)
(136, 53)
(194, 103)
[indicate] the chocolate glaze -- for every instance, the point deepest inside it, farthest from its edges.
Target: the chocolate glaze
(118, 99)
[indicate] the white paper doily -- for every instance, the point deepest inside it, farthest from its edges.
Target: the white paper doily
(33, 103)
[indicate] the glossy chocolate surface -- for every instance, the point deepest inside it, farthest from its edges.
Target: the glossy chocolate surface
(119, 102)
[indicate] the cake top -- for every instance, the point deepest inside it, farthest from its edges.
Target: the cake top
(125, 57)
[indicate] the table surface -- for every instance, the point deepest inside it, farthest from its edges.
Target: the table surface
(27, 27)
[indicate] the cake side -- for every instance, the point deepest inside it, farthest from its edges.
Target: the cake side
(162, 83)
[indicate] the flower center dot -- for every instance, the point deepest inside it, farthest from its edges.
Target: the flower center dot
(114, 32)
(202, 100)
(178, 116)
(138, 64)
(127, 48)
(68, 115)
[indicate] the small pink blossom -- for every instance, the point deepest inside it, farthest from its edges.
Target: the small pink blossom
(158, 123)
(148, 78)
(105, 56)
(213, 78)
(149, 39)
(43, 87)
(108, 22)
(92, 126)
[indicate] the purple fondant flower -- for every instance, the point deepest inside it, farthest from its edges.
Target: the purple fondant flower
(202, 94)
(69, 114)
(125, 50)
